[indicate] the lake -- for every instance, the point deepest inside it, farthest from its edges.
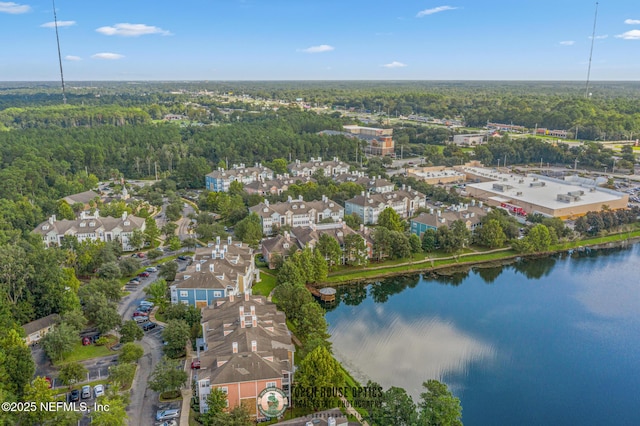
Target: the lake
(553, 341)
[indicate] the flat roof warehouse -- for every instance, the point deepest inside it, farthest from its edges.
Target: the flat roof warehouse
(574, 196)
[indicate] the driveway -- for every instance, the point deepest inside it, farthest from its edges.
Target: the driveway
(144, 402)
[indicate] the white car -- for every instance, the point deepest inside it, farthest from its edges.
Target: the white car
(152, 269)
(98, 390)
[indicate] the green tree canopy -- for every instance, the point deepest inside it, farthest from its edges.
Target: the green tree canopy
(438, 407)
(168, 376)
(130, 331)
(176, 334)
(391, 220)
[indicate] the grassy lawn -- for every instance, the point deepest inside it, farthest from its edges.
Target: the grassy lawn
(81, 353)
(266, 284)
(353, 275)
(160, 317)
(597, 240)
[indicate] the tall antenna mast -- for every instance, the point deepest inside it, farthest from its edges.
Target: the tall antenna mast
(55, 21)
(593, 39)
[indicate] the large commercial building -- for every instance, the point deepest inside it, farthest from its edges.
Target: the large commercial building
(436, 175)
(379, 141)
(570, 197)
(470, 139)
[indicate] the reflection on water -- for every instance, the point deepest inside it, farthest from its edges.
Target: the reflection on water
(405, 352)
(550, 341)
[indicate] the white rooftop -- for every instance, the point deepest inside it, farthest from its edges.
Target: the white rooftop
(543, 190)
(435, 174)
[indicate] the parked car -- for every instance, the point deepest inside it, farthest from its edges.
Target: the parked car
(144, 308)
(98, 390)
(149, 326)
(74, 396)
(195, 365)
(86, 341)
(168, 423)
(167, 414)
(183, 257)
(144, 274)
(140, 314)
(146, 303)
(152, 269)
(141, 320)
(141, 255)
(86, 392)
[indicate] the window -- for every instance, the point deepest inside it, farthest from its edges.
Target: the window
(224, 390)
(217, 294)
(271, 384)
(184, 294)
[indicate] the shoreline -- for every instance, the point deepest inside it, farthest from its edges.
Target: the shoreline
(432, 266)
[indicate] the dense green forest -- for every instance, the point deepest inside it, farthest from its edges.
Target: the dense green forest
(611, 112)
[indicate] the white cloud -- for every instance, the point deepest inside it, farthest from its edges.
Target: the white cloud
(428, 12)
(600, 37)
(630, 35)
(13, 8)
(60, 24)
(107, 55)
(438, 348)
(632, 21)
(131, 30)
(318, 49)
(394, 64)
(72, 58)
(567, 43)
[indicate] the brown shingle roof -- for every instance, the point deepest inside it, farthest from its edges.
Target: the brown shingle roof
(39, 324)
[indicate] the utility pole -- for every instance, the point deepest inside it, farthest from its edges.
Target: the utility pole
(593, 38)
(155, 163)
(55, 20)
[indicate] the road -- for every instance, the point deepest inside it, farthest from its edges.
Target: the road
(140, 406)
(183, 225)
(144, 402)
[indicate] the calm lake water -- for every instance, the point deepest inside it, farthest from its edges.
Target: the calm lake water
(553, 341)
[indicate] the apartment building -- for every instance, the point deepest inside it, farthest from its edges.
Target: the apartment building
(219, 180)
(296, 212)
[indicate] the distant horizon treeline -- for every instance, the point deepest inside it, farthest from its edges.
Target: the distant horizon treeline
(610, 113)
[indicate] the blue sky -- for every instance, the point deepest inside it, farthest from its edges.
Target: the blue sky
(320, 40)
